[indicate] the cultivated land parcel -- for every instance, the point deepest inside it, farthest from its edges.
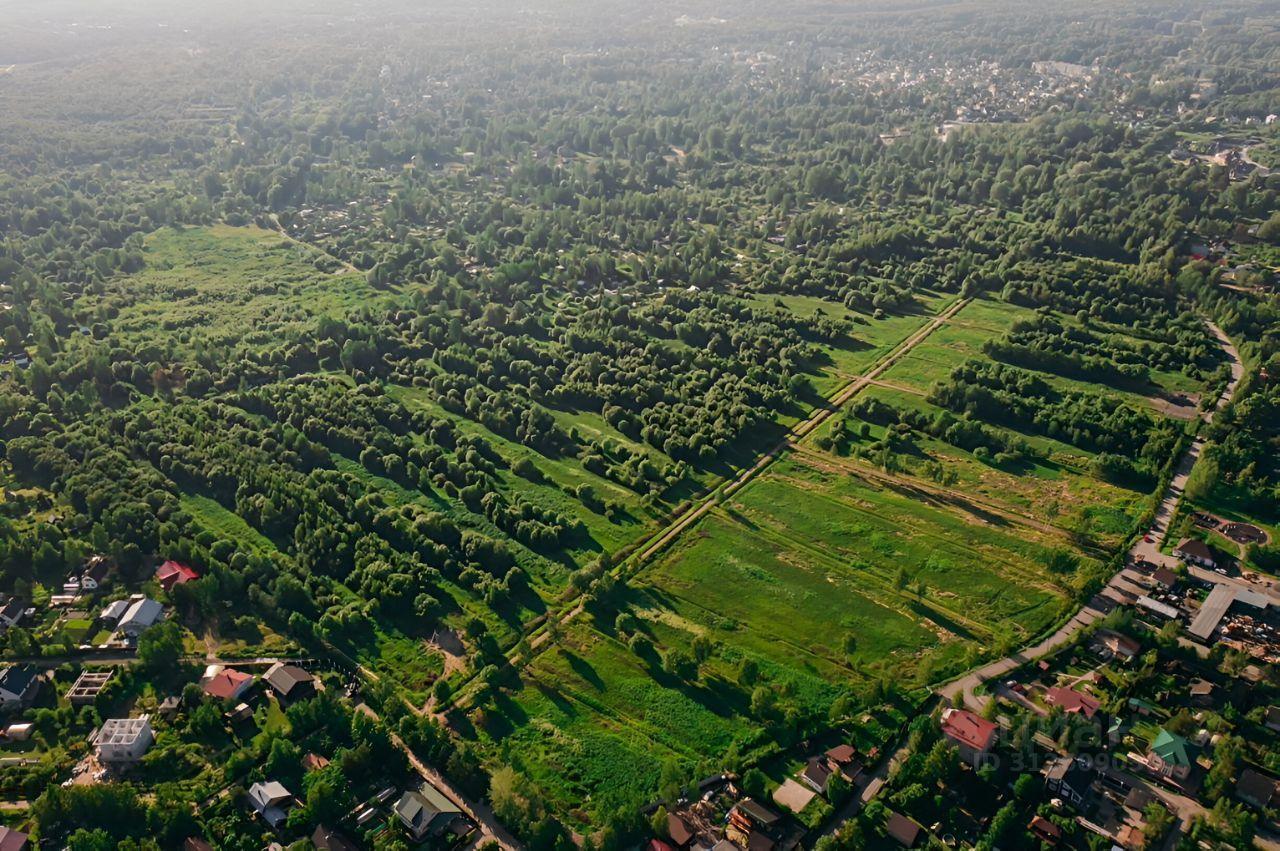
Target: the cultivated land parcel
(835, 575)
(585, 403)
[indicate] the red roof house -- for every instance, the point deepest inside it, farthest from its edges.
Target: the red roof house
(172, 573)
(972, 734)
(1073, 702)
(228, 684)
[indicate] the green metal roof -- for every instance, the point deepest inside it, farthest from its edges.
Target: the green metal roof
(1172, 749)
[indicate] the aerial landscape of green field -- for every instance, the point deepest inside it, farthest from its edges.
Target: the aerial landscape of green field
(686, 427)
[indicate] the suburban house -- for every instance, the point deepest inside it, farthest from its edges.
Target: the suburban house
(173, 573)
(290, 682)
(816, 774)
(679, 830)
(1171, 756)
(13, 840)
(141, 615)
(11, 613)
(1256, 788)
(1201, 692)
(844, 758)
(425, 812)
(228, 684)
(124, 740)
(974, 736)
(1165, 577)
(271, 801)
(18, 686)
(19, 732)
(240, 713)
(114, 611)
(94, 574)
(1195, 551)
(1073, 702)
(755, 812)
(903, 829)
(1069, 779)
(328, 839)
(313, 762)
(1121, 646)
(1045, 830)
(1117, 730)
(1273, 718)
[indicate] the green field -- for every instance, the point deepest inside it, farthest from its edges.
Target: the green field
(220, 285)
(983, 319)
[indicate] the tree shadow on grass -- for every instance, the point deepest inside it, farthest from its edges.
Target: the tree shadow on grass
(583, 668)
(945, 501)
(718, 696)
(508, 716)
(929, 613)
(557, 699)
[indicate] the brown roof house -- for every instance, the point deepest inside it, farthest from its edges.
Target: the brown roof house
(679, 830)
(903, 829)
(1121, 646)
(1045, 830)
(844, 758)
(1073, 702)
(1197, 552)
(1256, 788)
(13, 840)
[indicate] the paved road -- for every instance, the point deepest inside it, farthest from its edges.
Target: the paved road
(961, 691)
(1183, 807)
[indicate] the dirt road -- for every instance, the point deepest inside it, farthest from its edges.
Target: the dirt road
(489, 828)
(797, 433)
